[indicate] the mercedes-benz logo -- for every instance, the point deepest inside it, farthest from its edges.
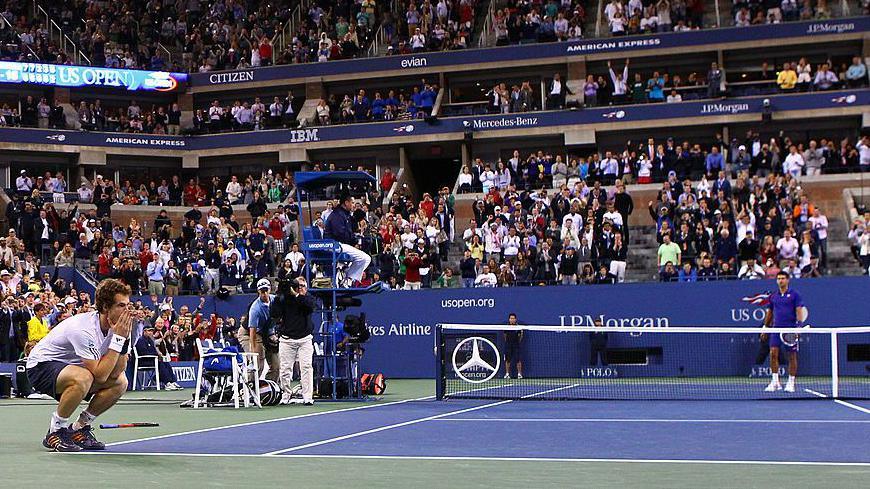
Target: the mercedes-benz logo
(475, 369)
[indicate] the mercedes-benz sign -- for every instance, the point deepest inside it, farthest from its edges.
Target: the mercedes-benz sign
(476, 359)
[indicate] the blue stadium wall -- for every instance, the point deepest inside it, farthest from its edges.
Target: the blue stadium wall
(402, 323)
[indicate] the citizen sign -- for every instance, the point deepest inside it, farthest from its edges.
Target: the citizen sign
(303, 135)
(236, 76)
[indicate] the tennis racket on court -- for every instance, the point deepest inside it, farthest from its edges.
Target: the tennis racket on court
(128, 425)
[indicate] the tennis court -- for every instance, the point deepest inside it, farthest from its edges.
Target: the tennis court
(409, 437)
(812, 432)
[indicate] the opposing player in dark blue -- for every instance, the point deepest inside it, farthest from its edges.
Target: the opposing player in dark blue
(786, 310)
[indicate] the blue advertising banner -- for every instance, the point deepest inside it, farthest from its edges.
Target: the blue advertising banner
(88, 76)
(690, 39)
(415, 128)
(402, 323)
(185, 373)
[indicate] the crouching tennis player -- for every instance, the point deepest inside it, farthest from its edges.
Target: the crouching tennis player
(81, 358)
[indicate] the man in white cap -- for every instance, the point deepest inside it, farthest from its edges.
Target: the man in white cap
(260, 329)
(742, 161)
(6, 287)
(24, 184)
(7, 256)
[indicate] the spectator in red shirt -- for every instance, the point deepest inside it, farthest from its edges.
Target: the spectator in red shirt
(427, 206)
(145, 256)
(104, 263)
(265, 51)
(412, 270)
(190, 192)
(275, 228)
(207, 329)
(387, 180)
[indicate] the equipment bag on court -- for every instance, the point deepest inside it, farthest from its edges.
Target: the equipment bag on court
(22, 383)
(373, 384)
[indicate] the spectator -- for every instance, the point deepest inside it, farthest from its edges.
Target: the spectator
(856, 76)
(787, 78)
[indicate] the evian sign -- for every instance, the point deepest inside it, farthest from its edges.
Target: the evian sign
(414, 62)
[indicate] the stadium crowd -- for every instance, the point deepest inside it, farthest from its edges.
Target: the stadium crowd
(583, 225)
(619, 86)
(209, 35)
(541, 219)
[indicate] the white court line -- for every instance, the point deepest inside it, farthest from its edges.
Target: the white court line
(484, 459)
(384, 428)
(410, 422)
(482, 389)
(252, 423)
(650, 420)
(841, 402)
(853, 406)
(817, 394)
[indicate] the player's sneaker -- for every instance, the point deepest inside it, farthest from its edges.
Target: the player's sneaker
(308, 403)
(84, 438)
(172, 386)
(773, 386)
(789, 387)
(507, 376)
(61, 441)
(519, 376)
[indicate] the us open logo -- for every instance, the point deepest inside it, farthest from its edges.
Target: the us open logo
(476, 359)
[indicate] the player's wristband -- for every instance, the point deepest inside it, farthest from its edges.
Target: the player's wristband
(117, 343)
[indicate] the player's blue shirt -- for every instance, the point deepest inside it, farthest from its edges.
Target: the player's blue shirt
(783, 308)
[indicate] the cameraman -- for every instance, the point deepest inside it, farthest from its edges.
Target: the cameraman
(292, 309)
(260, 329)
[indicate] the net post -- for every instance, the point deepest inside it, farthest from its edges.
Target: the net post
(835, 367)
(439, 363)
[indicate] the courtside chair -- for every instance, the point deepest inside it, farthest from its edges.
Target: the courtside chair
(242, 365)
(149, 371)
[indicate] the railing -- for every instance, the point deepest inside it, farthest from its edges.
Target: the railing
(600, 19)
(25, 46)
(380, 37)
(845, 8)
(488, 29)
(285, 35)
(378, 40)
(161, 47)
(64, 41)
(718, 14)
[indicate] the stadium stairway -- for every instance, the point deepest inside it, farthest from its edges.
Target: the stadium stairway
(840, 259)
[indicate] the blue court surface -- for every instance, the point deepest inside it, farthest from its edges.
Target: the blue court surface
(803, 432)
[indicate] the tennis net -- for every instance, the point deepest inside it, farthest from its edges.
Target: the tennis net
(600, 362)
